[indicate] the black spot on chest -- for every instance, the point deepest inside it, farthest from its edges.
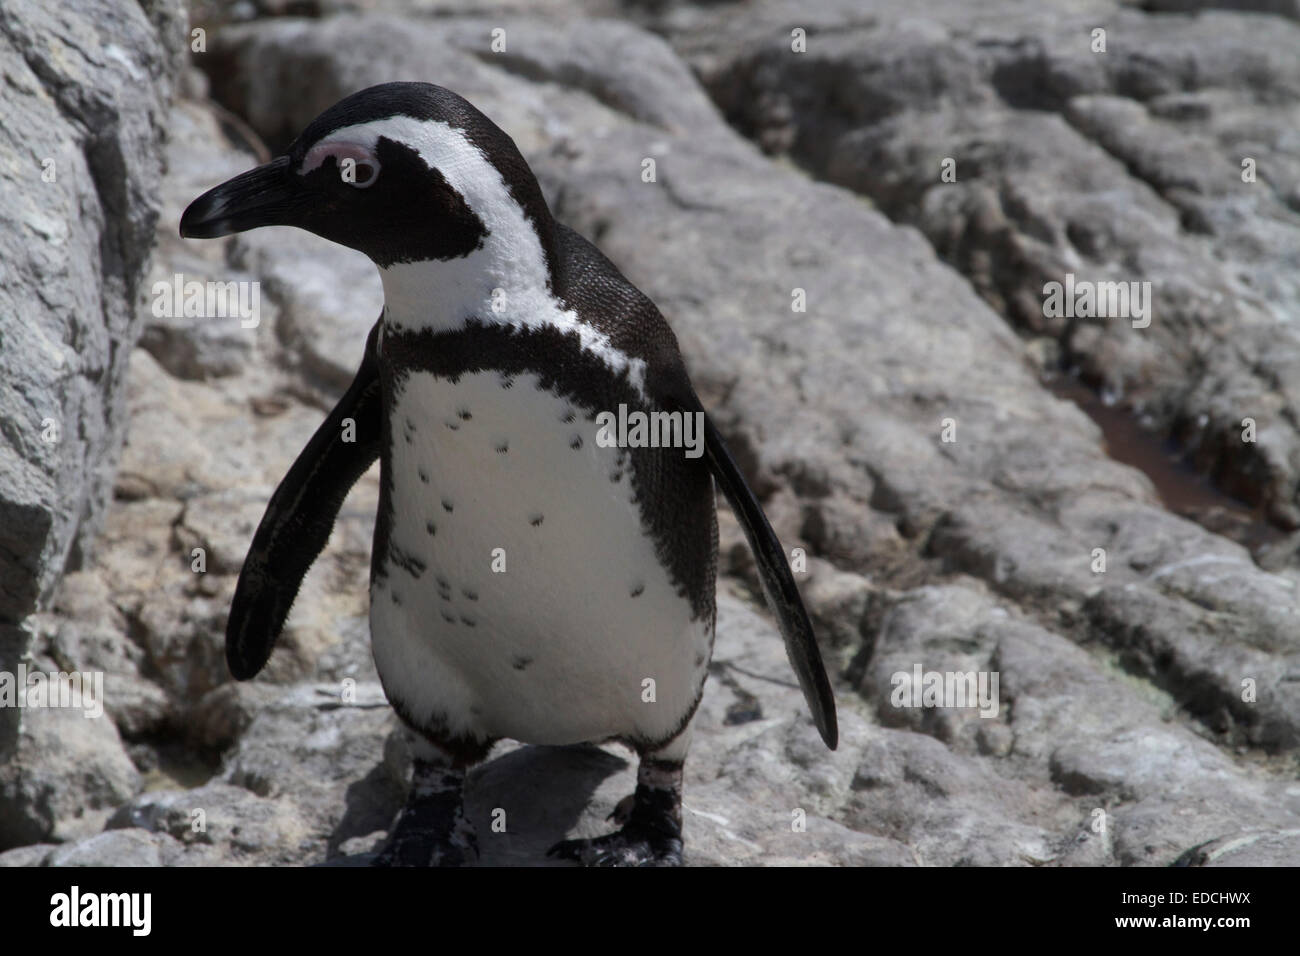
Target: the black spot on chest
(406, 561)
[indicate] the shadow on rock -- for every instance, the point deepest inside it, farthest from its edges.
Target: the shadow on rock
(536, 793)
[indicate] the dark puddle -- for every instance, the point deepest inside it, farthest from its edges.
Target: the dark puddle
(173, 766)
(1182, 489)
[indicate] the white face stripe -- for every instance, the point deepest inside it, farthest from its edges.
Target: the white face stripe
(504, 281)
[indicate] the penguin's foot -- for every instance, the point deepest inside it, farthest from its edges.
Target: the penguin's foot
(651, 832)
(634, 845)
(432, 830)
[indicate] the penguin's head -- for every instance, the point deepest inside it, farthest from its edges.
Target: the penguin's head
(403, 172)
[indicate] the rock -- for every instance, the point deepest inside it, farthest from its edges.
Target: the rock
(196, 352)
(118, 848)
(838, 602)
(189, 347)
(1169, 138)
(223, 714)
(84, 117)
(193, 483)
(34, 854)
(67, 766)
(87, 633)
(331, 297)
(233, 824)
(309, 746)
(1255, 849)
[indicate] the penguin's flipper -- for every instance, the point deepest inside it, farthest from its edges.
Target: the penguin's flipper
(300, 517)
(778, 585)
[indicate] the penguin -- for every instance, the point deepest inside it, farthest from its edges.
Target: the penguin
(530, 578)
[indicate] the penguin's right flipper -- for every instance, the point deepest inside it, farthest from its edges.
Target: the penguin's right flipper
(778, 584)
(300, 517)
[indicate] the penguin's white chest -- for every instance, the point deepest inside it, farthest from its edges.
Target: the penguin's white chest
(520, 596)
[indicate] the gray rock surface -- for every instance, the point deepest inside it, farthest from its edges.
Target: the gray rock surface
(67, 769)
(80, 164)
(1147, 713)
(1117, 165)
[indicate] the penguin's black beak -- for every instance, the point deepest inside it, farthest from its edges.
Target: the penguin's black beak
(269, 195)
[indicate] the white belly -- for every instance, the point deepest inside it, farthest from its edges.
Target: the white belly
(536, 609)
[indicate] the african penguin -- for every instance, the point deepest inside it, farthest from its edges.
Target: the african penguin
(527, 579)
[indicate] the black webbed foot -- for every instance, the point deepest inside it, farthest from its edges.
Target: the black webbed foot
(651, 834)
(631, 846)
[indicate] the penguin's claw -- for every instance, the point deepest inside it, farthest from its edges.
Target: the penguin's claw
(633, 845)
(622, 811)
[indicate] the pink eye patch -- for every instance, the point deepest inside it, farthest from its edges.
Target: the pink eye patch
(364, 165)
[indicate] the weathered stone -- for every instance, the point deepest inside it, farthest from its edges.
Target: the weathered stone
(118, 848)
(1173, 140)
(84, 109)
(67, 765)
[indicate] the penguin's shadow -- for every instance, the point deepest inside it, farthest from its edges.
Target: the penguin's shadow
(520, 803)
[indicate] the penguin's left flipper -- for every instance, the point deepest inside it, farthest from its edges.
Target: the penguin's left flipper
(778, 584)
(300, 517)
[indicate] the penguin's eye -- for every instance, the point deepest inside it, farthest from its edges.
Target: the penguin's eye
(363, 173)
(357, 165)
